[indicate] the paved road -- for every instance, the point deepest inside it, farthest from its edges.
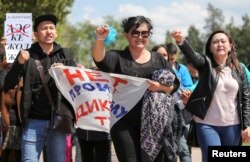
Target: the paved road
(196, 155)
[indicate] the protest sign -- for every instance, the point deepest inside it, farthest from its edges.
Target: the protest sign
(18, 32)
(99, 99)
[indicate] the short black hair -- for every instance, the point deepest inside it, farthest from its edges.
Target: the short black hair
(171, 48)
(135, 22)
(42, 18)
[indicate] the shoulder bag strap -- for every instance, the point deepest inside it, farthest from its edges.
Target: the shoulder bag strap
(45, 85)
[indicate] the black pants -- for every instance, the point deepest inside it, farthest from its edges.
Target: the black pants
(95, 151)
(11, 155)
(126, 140)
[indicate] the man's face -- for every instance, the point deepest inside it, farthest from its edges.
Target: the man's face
(172, 59)
(46, 33)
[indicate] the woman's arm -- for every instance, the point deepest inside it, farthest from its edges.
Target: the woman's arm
(156, 86)
(98, 51)
(195, 58)
(245, 102)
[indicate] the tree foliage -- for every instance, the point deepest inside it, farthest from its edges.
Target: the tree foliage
(194, 39)
(215, 19)
(241, 37)
(80, 37)
(60, 8)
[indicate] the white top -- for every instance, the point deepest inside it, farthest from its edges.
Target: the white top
(223, 108)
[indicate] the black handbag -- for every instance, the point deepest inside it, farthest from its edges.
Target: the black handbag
(58, 122)
(192, 139)
(61, 122)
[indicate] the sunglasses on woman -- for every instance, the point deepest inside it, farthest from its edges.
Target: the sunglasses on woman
(137, 34)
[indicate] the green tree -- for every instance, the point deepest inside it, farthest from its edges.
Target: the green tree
(60, 8)
(215, 19)
(241, 36)
(244, 48)
(79, 38)
(194, 39)
(168, 39)
(67, 37)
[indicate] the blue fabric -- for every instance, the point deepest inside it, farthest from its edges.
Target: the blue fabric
(216, 136)
(247, 73)
(184, 76)
(36, 135)
(186, 82)
(185, 154)
(193, 87)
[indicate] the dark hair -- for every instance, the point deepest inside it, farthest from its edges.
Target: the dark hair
(156, 47)
(135, 22)
(232, 60)
(171, 48)
(42, 18)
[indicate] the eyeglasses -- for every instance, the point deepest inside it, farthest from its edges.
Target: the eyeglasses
(137, 34)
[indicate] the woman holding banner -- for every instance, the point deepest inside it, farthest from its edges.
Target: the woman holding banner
(134, 60)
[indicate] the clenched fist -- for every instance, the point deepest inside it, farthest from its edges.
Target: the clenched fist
(178, 36)
(23, 57)
(102, 32)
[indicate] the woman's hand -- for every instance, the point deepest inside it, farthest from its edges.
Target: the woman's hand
(246, 135)
(178, 36)
(102, 32)
(156, 86)
(57, 64)
(185, 94)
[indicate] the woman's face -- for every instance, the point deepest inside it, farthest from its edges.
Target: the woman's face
(138, 38)
(220, 46)
(163, 52)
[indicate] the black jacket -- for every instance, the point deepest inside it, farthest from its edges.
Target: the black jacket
(201, 97)
(34, 103)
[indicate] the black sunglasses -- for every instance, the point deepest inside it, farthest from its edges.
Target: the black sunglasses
(137, 34)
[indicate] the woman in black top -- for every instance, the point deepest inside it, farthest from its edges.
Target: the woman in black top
(134, 60)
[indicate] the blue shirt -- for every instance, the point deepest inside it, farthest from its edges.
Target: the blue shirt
(184, 76)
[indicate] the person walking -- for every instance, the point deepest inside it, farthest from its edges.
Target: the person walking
(134, 60)
(36, 107)
(186, 85)
(219, 122)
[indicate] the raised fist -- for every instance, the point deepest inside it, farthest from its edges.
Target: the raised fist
(102, 32)
(178, 36)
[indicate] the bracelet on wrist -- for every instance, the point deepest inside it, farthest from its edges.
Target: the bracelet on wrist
(102, 39)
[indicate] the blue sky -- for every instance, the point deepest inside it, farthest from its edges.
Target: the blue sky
(165, 14)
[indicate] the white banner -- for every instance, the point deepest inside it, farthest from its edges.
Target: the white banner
(99, 99)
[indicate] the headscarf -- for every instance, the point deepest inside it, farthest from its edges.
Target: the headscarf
(156, 109)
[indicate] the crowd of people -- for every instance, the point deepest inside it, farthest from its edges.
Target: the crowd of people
(156, 128)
